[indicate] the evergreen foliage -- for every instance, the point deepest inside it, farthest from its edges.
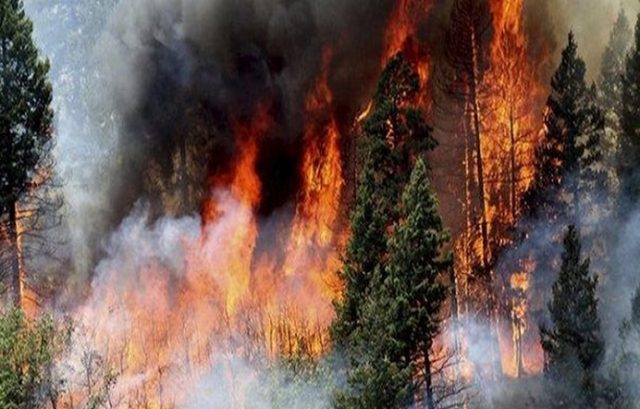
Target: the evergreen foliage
(401, 317)
(26, 131)
(573, 344)
(559, 153)
(630, 124)
(393, 134)
(612, 66)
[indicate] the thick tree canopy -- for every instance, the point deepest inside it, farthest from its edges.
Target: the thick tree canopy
(25, 113)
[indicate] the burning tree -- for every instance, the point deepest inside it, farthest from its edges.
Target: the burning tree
(377, 274)
(25, 154)
(394, 133)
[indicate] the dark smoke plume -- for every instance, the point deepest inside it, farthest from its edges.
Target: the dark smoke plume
(181, 73)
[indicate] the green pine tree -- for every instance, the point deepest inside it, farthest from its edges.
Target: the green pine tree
(612, 67)
(630, 124)
(363, 255)
(402, 315)
(622, 382)
(559, 153)
(610, 98)
(572, 344)
(394, 133)
(593, 172)
(25, 125)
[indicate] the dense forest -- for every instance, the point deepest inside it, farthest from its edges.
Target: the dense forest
(297, 204)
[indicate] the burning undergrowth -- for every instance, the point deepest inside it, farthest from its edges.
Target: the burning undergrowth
(232, 171)
(229, 185)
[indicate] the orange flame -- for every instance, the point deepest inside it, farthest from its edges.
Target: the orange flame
(167, 324)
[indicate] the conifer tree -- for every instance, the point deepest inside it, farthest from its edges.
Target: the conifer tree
(622, 383)
(394, 133)
(630, 124)
(612, 68)
(610, 99)
(413, 278)
(402, 315)
(363, 254)
(573, 344)
(26, 129)
(559, 153)
(593, 172)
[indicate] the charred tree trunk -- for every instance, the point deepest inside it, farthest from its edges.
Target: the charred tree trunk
(184, 183)
(429, 400)
(487, 272)
(513, 166)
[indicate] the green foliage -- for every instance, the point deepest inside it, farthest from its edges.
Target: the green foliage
(630, 124)
(388, 316)
(363, 254)
(593, 173)
(568, 161)
(27, 353)
(573, 345)
(610, 99)
(401, 316)
(25, 112)
(622, 381)
(612, 66)
(394, 134)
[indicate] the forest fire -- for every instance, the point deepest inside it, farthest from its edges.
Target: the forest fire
(271, 215)
(515, 103)
(402, 36)
(269, 303)
(276, 300)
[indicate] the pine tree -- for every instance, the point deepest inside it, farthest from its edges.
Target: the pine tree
(612, 68)
(593, 180)
(394, 133)
(25, 126)
(630, 124)
(573, 345)
(401, 317)
(363, 255)
(413, 278)
(622, 382)
(610, 98)
(559, 153)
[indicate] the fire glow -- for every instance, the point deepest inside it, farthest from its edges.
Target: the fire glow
(167, 319)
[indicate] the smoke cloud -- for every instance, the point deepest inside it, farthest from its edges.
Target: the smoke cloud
(159, 79)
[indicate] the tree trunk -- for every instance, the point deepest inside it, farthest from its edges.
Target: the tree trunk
(184, 189)
(484, 229)
(429, 401)
(512, 157)
(16, 270)
(477, 134)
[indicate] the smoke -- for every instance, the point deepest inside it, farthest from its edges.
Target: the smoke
(591, 21)
(147, 92)
(182, 73)
(157, 81)
(158, 316)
